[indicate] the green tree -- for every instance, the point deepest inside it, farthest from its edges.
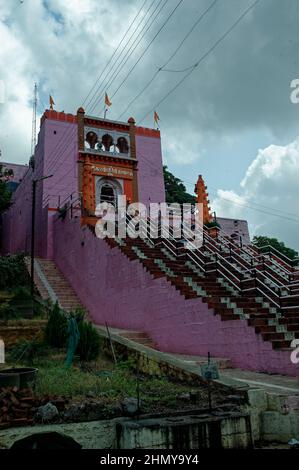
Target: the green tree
(5, 193)
(261, 241)
(175, 190)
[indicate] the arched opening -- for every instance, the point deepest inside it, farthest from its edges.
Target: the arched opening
(107, 194)
(108, 190)
(122, 145)
(91, 139)
(107, 142)
(46, 440)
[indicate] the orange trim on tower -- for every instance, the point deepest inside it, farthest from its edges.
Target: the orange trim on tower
(147, 132)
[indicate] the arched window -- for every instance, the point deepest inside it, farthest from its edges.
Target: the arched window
(107, 194)
(122, 145)
(91, 139)
(107, 141)
(108, 190)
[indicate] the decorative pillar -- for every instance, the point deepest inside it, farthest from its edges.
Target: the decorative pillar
(202, 198)
(131, 122)
(81, 147)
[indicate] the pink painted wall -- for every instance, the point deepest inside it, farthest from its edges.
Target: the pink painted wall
(18, 171)
(150, 169)
(124, 294)
(55, 153)
(240, 227)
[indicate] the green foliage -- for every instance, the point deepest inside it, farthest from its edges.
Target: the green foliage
(13, 272)
(5, 173)
(79, 314)
(89, 342)
(175, 189)
(261, 241)
(56, 333)
(212, 224)
(5, 193)
(8, 312)
(21, 294)
(62, 212)
(5, 197)
(56, 329)
(29, 351)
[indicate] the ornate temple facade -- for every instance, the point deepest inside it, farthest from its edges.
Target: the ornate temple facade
(88, 160)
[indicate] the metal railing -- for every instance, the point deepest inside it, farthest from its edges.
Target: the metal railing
(212, 261)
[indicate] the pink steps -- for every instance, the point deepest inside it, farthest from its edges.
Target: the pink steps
(66, 296)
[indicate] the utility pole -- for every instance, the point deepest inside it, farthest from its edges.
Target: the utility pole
(34, 185)
(33, 135)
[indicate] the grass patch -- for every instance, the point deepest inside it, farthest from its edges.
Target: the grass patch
(108, 384)
(115, 385)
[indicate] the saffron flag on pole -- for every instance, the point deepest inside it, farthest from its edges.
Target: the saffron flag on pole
(51, 102)
(107, 101)
(156, 118)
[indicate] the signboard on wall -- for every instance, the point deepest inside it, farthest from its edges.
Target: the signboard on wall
(115, 171)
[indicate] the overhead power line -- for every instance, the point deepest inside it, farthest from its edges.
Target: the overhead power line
(215, 191)
(66, 138)
(202, 58)
(116, 68)
(282, 214)
(199, 19)
(147, 48)
(114, 53)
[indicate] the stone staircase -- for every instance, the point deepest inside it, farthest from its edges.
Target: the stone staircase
(267, 320)
(52, 285)
(140, 338)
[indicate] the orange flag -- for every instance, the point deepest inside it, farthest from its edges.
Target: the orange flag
(107, 101)
(156, 118)
(51, 102)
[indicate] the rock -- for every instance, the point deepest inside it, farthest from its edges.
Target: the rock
(184, 396)
(90, 394)
(294, 443)
(116, 410)
(88, 411)
(47, 412)
(130, 406)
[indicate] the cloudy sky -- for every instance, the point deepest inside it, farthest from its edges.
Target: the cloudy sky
(231, 119)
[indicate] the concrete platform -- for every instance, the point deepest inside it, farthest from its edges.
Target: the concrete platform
(271, 400)
(231, 377)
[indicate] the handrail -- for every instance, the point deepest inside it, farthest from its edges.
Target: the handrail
(233, 272)
(279, 253)
(250, 271)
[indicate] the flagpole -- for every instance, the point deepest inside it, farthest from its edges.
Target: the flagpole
(105, 112)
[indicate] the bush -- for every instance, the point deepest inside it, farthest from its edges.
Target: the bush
(212, 224)
(56, 329)
(89, 342)
(28, 351)
(8, 312)
(13, 272)
(56, 333)
(21, 294)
